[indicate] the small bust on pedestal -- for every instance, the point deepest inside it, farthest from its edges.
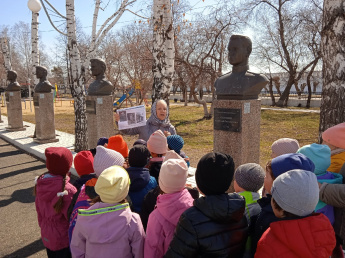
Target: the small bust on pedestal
(240, 83)
(44, 85)
(101, 86)
(14, 85)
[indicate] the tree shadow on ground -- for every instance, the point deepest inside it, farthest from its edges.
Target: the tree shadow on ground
(22, 195)
(180, 123)
(27, 250)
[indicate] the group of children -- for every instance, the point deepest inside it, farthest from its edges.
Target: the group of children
(135, 203)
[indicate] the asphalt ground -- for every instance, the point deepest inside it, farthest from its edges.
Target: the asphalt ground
(19, 230)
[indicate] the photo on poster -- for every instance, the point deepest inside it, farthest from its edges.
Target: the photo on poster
(123, 116)
(131, 117)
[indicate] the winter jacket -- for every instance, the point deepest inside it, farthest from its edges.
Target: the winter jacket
(146, 130)
(82, 180)
(154, 166)
(321, 207)
(150, 201)
(337, 161)
(54, 226)
(214, 227)
(141, 184)
(163, 220)
(108, 230)
(334, 195)
(307, 237)
(265, 218)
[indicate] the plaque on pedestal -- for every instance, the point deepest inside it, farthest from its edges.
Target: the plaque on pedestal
(14, 111)
(44, 116)
(100, 118)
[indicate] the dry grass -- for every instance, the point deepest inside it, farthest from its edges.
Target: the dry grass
(198, 132)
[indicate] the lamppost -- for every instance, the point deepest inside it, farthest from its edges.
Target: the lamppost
(35, 7)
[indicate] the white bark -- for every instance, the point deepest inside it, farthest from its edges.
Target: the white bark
(163, 49)
(6, 53)
(332, 109)
(34, 44)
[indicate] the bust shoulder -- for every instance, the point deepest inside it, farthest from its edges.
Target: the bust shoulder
(14, 86)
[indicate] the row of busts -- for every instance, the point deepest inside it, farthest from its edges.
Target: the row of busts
(100, 87)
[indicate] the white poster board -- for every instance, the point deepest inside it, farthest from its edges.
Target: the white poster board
(131, 117)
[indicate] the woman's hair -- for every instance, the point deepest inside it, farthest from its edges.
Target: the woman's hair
(59, 204)
(269, 169)
(286, 214)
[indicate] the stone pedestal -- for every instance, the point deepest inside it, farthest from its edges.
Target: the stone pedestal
(100, 118)
(237, 130)
(14, 111)
(44, 117)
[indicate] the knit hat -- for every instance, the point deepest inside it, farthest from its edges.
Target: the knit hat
(214, 173)
(284, 146)
(175, 142)
(102, 141)
(319, 154)
(291, 161)
(173, 174)
(157, 143)
(335, 135)
(296, 191)
(117, 143)
(113, 184)
(106, 158)
(83, 163)
(250, 177)
(138, 156)
(58, 160)
(140, 142)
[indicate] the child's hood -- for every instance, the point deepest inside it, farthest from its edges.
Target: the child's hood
(49, 185)
(171, 206)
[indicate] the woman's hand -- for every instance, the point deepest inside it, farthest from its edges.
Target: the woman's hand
(167, 133)
(117, 117)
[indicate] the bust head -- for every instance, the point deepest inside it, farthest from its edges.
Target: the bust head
(239, 49)
(11, 76)
(97, 66)
(41, 72)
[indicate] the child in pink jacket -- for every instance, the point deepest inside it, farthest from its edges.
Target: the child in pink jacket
(108, 228)
(172, 202)
(54, 194)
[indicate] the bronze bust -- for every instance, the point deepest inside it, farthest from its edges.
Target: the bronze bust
(14, 85)
(101, 86)
(44, 85)
(240, 83)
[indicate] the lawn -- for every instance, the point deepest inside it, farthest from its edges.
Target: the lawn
(198, 133)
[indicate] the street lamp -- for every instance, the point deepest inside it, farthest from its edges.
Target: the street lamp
(35, 7)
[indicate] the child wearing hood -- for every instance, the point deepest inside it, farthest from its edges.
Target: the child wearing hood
(300, 232)
(54, 194)
(141, 181)
(108, 228)
(172, 202)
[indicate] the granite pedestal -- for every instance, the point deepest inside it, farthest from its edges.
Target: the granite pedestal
(237, 130)
(44, 117)
(14, 111)
(100, 118)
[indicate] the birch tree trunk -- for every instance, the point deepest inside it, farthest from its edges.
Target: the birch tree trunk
(35, 56)
(332, 109)
(77, 75)
(6, 53)
(163, 50)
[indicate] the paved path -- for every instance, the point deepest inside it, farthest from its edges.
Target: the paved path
(19, 233)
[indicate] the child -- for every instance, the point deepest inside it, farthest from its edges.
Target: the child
(284, 146)
(175, 142)
(103, 141)
(215, 226)
(104, 159)
(249, 178)
(53, 195)
(158, 146)
(334, 137)
(173, 201)
(108, 228)
(141, 181)
(83, 164)
(300, 232)
(140, 142)
(117, 143)
(274, 168)
(321, 156)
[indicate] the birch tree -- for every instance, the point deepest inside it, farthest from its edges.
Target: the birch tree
(6, 53)
(332, 109)
(163, 49)
(78, 65)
